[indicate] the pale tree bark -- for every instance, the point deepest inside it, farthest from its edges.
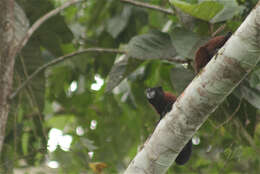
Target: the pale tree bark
(203, 95)
(6, 60)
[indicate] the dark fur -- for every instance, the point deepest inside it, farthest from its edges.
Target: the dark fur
(162, 102)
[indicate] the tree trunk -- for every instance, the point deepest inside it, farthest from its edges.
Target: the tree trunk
(212, 85)
(7, 47)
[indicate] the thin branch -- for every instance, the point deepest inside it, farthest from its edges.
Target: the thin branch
(244, 132)
(178, 59)
(40, 21)
(228, 158)
(232, 115)
(61, 59)
(221, 28)
(32, 100)
(152, 7)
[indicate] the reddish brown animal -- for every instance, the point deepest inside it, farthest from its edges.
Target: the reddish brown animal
(207, 51)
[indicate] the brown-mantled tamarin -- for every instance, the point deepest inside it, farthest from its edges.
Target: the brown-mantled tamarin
(208, 50)
(162, 102)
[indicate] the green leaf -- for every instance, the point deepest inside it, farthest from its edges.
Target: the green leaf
(89, 144)
(60, 121)
(118, 23)
(231, 8)
(26, 64)
(180, 78)
(25, 141)
(117, 73)
(51, 42)
(152, 45)
(122, 68)
(205, 10)
(54, 30)
(185, 42)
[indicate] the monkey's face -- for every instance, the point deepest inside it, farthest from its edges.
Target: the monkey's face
(155, 94)
(156, 97)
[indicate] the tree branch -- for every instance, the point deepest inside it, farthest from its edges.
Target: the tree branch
(152, 7)
(40, 21)
(58, 60)
(234, 61)
(178, 59)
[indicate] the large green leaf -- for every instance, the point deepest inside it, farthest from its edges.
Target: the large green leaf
(231, 8)
(152, 45)
(118, 23)
(60, 121)
(205, 10)
(54, 30)
(122, 67)
(185, 42)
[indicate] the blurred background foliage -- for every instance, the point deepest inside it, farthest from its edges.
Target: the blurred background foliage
(89, 114)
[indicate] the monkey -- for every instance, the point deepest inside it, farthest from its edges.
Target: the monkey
(204, 53)
(162, 102)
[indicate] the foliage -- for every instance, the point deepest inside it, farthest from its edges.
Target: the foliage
(116, 119)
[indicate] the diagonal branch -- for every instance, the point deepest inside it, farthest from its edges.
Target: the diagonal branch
(58, 60)
(40, 21)
(234, 61)
(149, 6)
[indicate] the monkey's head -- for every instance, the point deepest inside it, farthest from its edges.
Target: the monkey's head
(162, 101)
(154, 93)
(155, 96)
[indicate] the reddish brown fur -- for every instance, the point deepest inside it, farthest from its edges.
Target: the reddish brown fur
(207, 51)
(169, 97)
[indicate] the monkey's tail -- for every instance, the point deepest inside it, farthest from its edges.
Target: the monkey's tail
(185, 154)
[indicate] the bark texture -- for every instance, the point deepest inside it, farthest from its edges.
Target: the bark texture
(14, 35)
(6, 61)
(204, 94)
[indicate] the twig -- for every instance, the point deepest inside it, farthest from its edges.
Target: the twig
(60, 59)
(32, 100)
(40, 21)
(221, 28)
(232, 115)
(244, 132)
(226, 121)
(178, 59)
(145, 5)
(228, 158)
